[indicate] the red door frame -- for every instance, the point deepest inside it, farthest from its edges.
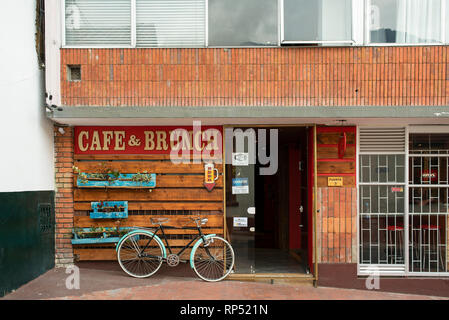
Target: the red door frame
(310, 196)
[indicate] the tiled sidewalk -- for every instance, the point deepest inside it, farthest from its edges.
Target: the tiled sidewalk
(233, 290)
(106, 281)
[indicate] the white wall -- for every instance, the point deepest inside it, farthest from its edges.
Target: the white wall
(26, 136)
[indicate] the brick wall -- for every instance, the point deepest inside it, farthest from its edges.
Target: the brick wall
(64, 195)
(259, 76)
(337, 225)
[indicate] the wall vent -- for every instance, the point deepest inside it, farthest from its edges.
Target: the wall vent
(379, 140)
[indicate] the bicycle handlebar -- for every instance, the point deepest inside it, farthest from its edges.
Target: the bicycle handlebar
(198, 220)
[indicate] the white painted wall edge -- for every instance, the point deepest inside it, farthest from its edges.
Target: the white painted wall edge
(26, 135)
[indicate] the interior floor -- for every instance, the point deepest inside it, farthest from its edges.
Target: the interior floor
(277, 261)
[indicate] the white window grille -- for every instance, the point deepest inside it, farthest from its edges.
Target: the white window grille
(382, 190)
(403, 202)
(428, 202)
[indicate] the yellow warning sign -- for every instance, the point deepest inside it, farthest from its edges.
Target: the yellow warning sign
(335, 181)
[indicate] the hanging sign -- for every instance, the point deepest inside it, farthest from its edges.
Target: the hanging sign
(210, 176)
(148, 140)
(342, 145)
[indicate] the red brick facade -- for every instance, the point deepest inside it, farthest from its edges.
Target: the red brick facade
(337, 225)
(258, 77)
(64, 195)
(384, 76)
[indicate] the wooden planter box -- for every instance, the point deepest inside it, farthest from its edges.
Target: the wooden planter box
(101, 210)
(92, 236)
(123, 181)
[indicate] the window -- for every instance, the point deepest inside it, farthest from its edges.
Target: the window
(317, 21)
(253, 23)
(382, 199)
(403, 201)
(243, 23)
(405, 21)
(98, 22)
(170, 23)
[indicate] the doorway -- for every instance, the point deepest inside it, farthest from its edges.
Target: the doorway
(269, 215)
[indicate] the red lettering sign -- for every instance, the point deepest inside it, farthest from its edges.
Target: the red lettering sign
(148, 140)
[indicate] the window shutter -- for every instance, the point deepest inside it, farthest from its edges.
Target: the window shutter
(98, 22)
(171, 23)
(378, 140)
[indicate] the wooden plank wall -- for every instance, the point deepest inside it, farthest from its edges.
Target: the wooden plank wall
(328, 162)
(337, 206)
(179, 194)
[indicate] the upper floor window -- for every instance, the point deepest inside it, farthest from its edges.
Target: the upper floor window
(97, 23)
(407, 21)
(248, 23)
(243, 22)
(170, 23)
(317, 21)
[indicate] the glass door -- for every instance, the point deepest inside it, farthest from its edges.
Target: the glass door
(240, 203)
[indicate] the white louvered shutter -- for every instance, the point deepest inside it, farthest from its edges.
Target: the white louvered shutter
(98, 22)
(378, 140)
(171, 23)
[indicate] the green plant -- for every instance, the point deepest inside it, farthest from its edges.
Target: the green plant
(104, 173)
(142, 177)
(82, 176)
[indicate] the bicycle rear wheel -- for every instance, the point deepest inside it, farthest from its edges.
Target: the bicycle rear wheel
(213, 260)
(136, 261)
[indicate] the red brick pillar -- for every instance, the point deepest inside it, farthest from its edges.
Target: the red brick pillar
(64, 210)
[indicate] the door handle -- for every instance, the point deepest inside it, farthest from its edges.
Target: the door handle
(301, 209)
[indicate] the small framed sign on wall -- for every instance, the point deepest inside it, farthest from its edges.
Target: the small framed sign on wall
(335, 181)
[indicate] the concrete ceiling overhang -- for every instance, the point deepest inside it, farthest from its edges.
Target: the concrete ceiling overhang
(358, 115)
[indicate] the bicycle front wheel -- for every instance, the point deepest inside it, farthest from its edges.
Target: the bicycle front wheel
(214, 259)
(140, 255)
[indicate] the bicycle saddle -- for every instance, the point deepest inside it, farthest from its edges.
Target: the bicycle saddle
(199, 221)
(159, 220)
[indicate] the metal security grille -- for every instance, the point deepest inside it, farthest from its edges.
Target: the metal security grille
(403, 204)
(46, 221)
(171, 23)
(382, 185)
(98, 22)
(428, 203)
(382, 204)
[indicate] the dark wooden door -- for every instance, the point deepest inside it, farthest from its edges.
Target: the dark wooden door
(296, 207)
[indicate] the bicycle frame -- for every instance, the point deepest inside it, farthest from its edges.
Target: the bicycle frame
(167, 245)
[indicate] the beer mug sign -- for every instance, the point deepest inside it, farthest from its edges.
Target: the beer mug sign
(210, 176)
